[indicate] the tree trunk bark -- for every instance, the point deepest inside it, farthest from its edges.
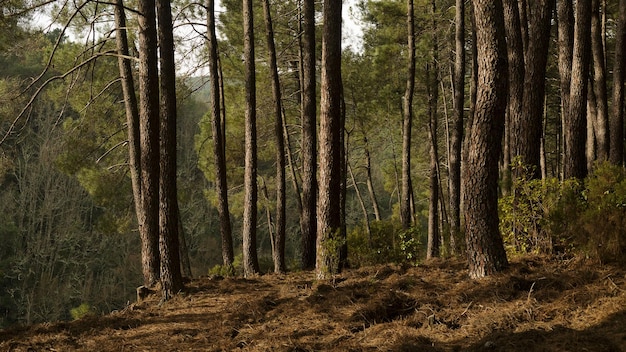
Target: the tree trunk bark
(171, 276)
(432, 248)
(370, 183)
(219, 156)
(456, 132)
(132, 113)
(574, 164)
(329, 201)
(599, 85)
(149, 140)
(619, 71)
(308, 224)
(485, 249)
(536, 58)
(250, 259)
(517, 70)
(279, 245)
(407, 122)
(565, 16)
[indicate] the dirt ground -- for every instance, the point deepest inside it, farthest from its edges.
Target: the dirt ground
(539, 304)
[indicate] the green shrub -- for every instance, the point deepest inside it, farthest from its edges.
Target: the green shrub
(81, 311)
(525, 212)
(547, 216)
(388, 243)
(604, 218)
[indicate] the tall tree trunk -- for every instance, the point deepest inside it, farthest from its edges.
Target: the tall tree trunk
(149, 140)
(485, 249)
(250, 259)
(221, 185)
(565, 15)
(132, 112)
(619, 72)
(343, 152)
(329, 201)
(598, 64)
(528, 141)
(308, 224)
(432, 89)
(279, 240)
(456, 132)
(515, 46)
(171, 276)
(407, 122)
(472, 100)
(574, 163)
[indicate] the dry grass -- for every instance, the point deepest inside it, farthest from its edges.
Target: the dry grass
(539, 304)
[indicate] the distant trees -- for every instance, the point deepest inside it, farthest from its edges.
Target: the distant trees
(393, 116)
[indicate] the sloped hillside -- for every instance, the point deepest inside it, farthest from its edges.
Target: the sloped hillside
(539, 304)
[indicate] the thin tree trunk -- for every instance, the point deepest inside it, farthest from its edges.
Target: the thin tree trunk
(598, 65)
(565, 15)
(591, 126)
(359, 197)
(149, 140)
(536, 57)
(219, 156)
(132, 111)
(407, 122)
(515, 46)
(185, 263)
(432, 89)
(370, 183)
(292, 168)
(250, 259)
(171, 276)
(279, 253)
(344, 139)
(456, 135)
(574, 164)
(308, 220)
(619, 72)
(329, 212)
(543, 161)
(268, 215)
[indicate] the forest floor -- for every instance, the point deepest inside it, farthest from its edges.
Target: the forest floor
(539, 304)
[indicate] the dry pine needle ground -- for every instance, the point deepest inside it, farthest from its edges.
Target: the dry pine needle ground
(539, 304)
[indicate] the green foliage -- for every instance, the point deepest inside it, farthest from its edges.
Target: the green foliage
(81, 311)
(524, 213)
(388, 243)
(331, 249)
(224, 270)
(551, 216)
(603, 219)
